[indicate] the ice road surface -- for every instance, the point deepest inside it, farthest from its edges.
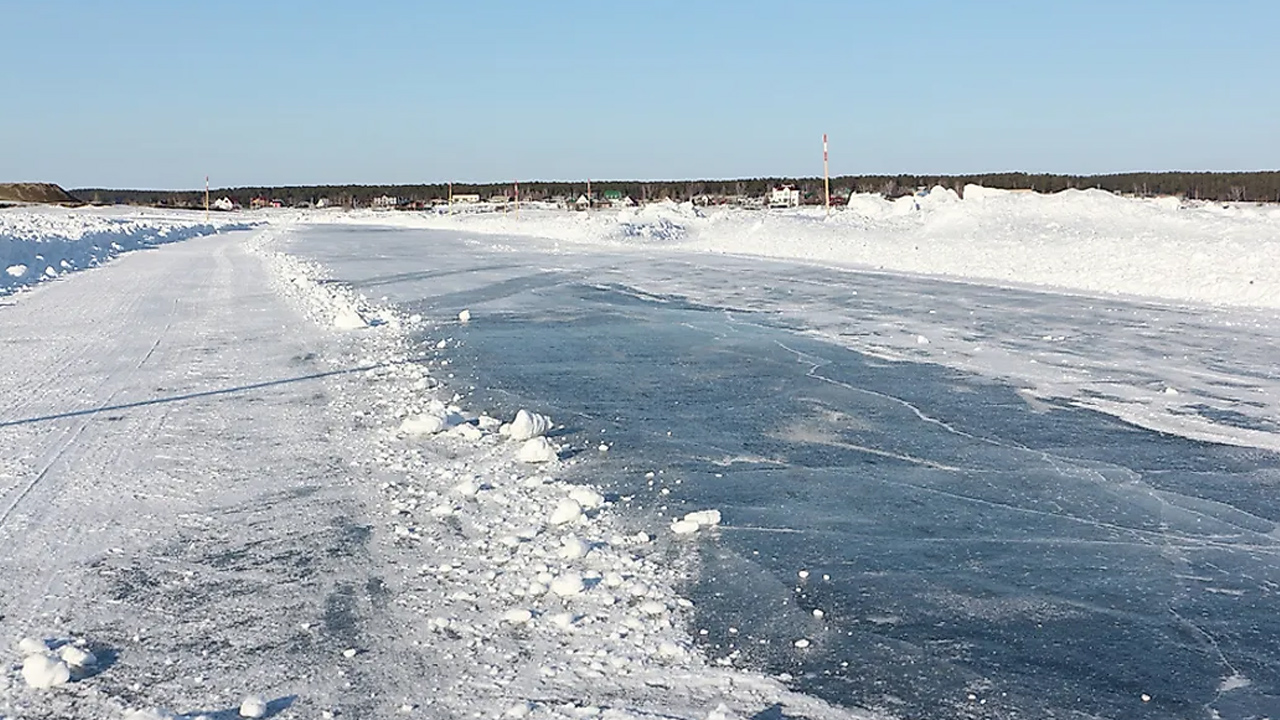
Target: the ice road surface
(238, 475)
(928, 541)
(203, 484)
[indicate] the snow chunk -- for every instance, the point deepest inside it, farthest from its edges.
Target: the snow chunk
(346, 317)
(429, 423)
(42, 671)
(565, 512)
(568, 585)
(32, 646)
(253, 706)
(588, 498)
(537, 450)
(16, 270)
(77, 658)
(464, 316)
(695, 521)
(517, 616)
(527, 425)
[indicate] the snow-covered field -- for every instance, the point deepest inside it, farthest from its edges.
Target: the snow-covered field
(241, 484)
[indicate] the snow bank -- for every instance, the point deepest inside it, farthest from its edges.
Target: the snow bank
(1088, 241)
(45, 242)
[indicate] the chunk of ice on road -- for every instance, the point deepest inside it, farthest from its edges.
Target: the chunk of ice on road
(565, 512)
(32, 646)
(253, 706)
(527, 425)
(16, 270)
(573, 548)
(537, 450)
(588, 498)
(695, 521)
(430, 423)
(568, 585)
(77, 658)
(464, 316)
(346, 317)
(517, 616)
(42, 671)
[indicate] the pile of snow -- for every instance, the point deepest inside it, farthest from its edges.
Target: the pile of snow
(44, 667)
(1080, 240)
(38, 243)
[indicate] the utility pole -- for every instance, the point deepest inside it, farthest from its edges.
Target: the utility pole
(206, 199)
(826, 176)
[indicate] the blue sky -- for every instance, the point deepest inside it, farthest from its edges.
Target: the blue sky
(157, 94)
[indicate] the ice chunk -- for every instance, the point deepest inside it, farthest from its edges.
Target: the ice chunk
(565, 512)
(77, 658)
(464, 316)
(588, 498)
(42, 671)
(528, 425)
(346, 317)
(253, 706)
(32, 646)
(568, 585)
(537, 450)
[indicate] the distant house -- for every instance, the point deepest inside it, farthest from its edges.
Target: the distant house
(582, 203)
(499, 199)
(466, 198)
(386, 201)
(224, 203)
(259, 203)
(615, 198)
(784, 196)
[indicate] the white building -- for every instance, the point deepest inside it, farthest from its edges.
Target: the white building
(224, 203)
(786, 196)
(386, 201)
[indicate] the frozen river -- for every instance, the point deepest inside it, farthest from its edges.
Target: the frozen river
(948, 545)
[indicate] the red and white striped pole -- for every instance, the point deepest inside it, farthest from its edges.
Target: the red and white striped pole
(826, 176)
(206, 199)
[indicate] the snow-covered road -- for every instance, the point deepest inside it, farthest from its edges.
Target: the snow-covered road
(169, 491)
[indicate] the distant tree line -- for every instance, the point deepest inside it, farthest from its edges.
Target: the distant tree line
(1236, 186)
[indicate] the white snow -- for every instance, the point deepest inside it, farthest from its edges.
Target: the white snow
(43, 672)
(537, 450)
(526, 425)
(253, 706)
(74, 239)
(1081, 240)
(489, 557)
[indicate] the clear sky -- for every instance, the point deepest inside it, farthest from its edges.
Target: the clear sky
(159, 93)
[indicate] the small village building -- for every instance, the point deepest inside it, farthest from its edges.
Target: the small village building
(224, 204)
(386, 201)
(784, 196)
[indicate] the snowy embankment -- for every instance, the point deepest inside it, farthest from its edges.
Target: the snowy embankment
(1087, 241)
(534, 597)
(39, 243)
